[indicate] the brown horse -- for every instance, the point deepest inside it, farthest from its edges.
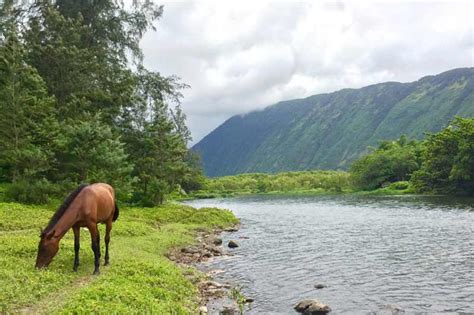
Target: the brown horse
(84, 207)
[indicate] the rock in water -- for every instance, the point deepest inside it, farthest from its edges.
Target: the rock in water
(233, 244)
(228, 311)
(231, 229)
(319, 286)
(312, 307)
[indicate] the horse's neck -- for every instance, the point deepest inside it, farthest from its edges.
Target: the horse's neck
(66, 222)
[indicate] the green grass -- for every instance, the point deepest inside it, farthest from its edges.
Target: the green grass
(396, 188)
(140, 278)
(315, 182)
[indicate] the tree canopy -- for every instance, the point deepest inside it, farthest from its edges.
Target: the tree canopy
(77, 104)
(392, 161)
(443, 163)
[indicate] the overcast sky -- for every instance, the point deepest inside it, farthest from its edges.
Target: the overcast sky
(241, 56)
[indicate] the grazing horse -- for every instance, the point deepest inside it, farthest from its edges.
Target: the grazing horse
(86, 206)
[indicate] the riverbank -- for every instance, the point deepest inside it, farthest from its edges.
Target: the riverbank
(391, 190)
(140, 279)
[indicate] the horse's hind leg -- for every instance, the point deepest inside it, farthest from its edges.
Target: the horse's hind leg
(108, 228)
(77, 245)
(95, 238)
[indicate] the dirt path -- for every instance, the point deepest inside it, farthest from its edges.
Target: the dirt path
(56, 299)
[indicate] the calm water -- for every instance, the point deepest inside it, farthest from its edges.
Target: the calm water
(373, 253)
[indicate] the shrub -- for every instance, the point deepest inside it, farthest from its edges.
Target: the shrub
(31, 192)
(402, 185)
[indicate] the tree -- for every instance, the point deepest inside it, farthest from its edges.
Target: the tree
(448, 160)
(27, 118)
(78, 60)
(90, 152)
(392, 161)
(156, 141)
(76, 67)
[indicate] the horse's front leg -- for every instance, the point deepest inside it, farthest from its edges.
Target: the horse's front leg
(108, 228)
(77, 245)
(95, 238)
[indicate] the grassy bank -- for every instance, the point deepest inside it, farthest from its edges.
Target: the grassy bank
(305, 182)
(140, 278)
(312, 183)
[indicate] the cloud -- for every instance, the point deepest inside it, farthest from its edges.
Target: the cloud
(242, 56)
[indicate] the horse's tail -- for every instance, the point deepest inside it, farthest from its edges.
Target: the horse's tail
(116, 212)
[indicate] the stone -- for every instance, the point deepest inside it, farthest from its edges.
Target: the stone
(190, 250)
(231, 229)
(213, 284)
(233, 244)
(319, 286)
(312, 307)
(228, 311)
(217, 251)
(202, 310)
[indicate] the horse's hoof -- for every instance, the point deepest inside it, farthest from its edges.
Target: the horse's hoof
(106, 263)
(96, 273)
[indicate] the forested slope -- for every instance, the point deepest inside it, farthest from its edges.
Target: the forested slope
(329, 131)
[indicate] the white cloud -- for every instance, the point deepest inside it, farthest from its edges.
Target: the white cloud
(241, 56)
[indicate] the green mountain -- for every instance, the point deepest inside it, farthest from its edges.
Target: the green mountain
(329, 131)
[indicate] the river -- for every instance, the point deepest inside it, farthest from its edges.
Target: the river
(373, 254)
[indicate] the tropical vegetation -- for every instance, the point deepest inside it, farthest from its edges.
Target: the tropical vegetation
(331, 131)
(443, 163)
(77, 105)
(304, 182)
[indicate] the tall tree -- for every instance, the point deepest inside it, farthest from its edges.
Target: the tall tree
(392, 161)
(157, 138)
(27, 118)
(118, 121)
(448, 160)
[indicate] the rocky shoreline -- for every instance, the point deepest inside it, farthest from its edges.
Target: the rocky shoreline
(224, 298)
(214, 297)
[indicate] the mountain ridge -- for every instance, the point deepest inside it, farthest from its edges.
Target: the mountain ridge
(312, 132)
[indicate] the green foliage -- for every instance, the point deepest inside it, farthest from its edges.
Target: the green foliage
(402, 185)
(32, 191)
(77, 105)
(148, 283)
(27, 122)
(448, 160)
(237, 295)
(90, 152)
(158, 144)
(392, 161)
(289, 182)
(330, 131)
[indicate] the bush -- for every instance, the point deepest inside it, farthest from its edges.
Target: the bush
(32, 192)
(448, 160)
(392, 161)
(402, 185)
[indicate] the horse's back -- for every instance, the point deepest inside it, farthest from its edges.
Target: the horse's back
(98, 201)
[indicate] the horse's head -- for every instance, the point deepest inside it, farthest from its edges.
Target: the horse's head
(47, 248)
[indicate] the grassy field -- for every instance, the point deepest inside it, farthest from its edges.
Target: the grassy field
(140, 278)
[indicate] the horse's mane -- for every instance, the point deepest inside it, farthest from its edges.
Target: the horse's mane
(62, 208)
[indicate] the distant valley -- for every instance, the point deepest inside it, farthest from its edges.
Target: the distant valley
(329, 131)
